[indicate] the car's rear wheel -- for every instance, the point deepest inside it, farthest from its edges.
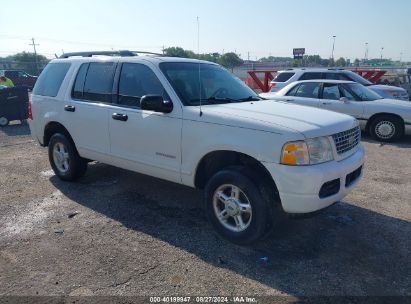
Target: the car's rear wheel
(64, 158)
(3, 121)
(236, 208)
(387, 128)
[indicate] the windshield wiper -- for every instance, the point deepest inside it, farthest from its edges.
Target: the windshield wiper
(250, 98)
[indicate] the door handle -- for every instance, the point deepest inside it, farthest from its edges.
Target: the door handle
(69, 108)
(118, 116)
(326, 103)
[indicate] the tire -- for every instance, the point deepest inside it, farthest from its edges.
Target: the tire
(387, 128)
(4, 121)
(64, 158)
(233, 186)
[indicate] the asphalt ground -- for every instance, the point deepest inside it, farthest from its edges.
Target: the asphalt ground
(116, 232)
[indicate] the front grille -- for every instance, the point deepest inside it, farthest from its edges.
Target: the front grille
(347, 140)
(352, 177)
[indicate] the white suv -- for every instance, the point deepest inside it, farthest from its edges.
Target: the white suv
(193, 123)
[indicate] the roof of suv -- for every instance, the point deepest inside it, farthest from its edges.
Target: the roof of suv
(150, 58)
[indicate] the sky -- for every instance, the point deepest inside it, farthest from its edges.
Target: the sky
(253, 28)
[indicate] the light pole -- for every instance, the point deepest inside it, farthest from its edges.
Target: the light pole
(382, 49)
(366, 51)
(332, 53)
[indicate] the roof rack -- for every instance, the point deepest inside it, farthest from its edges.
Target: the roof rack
(123, 53)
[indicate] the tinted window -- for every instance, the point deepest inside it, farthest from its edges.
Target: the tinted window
(336, 76)
(311, 75)
(331, 91)
(99, 82)
(283, 77)
(79, 83)
(49, 81)
(137, 80)
(309, 90)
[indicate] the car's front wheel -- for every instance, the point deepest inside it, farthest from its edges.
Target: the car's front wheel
(387, 128)
(64, 158)
(236, 208)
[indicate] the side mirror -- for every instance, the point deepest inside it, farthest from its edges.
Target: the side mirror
(156, 103)
(344, 100)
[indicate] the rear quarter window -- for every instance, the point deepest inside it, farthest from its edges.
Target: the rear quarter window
(283, 77)
(50, 80)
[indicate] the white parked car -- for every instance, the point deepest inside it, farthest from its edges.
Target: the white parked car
(191, 122)
(284, 78)
(385, 119)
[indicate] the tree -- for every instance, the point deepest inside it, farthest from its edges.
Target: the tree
(28, 62)
(176, 52)
(357, 62)
(341, 62)
(230, 60)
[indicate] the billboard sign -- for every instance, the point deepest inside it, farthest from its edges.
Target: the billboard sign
(298, 53)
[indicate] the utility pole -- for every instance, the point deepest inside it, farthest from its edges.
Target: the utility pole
(382, 49)
(35, 53)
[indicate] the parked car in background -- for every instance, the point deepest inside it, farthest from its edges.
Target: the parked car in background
(283, 78)
(385, 119)
(256, 160)
(20, 78)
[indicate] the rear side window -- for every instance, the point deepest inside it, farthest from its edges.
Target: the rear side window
(78, 87)
(50, 80)
(311, 76)
(283, 77)
(94, 82)
(137, 80)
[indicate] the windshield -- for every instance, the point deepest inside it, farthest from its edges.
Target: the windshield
(363, 93)
(215, 83)
(357, 78)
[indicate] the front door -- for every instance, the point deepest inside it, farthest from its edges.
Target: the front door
(141, 140)
(331, 100)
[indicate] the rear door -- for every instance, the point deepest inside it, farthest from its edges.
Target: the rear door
(88, 109)
(305, 93)
(331, 95)
(142, 140)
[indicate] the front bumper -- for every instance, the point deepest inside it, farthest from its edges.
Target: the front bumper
(299, 186)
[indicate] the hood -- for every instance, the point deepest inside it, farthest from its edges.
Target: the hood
(395, 103)
(279, 117)
(384, 87)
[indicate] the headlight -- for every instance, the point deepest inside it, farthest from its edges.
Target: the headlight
(309, 152)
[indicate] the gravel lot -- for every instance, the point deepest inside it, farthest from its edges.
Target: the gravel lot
(120, 233)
